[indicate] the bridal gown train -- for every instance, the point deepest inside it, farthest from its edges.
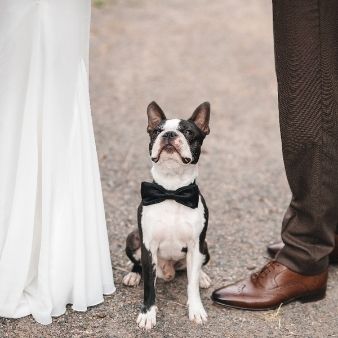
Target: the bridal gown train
(53, 241)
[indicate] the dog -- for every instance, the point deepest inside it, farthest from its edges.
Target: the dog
(173, 215)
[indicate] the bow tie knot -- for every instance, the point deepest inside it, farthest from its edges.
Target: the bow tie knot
(153, 193)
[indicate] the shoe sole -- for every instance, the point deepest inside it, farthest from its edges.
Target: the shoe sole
(307, 298)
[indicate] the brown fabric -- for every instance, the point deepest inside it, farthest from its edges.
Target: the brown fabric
(306, 56)
(334, 253)
(274, 248)
(273, 285)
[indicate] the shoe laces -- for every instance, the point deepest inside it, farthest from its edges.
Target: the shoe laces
(265, 270)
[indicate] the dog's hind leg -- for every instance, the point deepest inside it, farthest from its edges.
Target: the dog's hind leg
(181, 264)
(133, 251)
(205, 280)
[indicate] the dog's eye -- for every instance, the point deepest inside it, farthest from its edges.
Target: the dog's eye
(156, 132)
(187, 132)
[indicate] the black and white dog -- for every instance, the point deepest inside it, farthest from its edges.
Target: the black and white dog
(173, 216)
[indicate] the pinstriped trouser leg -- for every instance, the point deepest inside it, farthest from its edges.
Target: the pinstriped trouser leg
(306, 56)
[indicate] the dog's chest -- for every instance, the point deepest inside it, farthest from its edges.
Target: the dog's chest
(169, 227)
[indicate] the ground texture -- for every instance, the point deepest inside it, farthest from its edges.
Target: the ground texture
(181, 53)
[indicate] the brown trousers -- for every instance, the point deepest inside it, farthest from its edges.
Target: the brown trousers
(306, 56)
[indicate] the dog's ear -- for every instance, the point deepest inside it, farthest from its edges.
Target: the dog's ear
(201, 117)
(155, 116)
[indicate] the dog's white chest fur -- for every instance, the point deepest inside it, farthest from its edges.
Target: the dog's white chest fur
(169, 227)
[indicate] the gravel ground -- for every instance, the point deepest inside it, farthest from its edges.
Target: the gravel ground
(181, 53)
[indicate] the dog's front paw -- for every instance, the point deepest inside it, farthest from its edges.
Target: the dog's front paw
(197, 313)
(147, 320)
(131, 279)
(205, 280)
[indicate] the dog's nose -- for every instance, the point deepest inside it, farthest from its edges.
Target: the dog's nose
(169, 135)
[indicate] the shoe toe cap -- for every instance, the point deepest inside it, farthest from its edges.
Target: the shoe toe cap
(227, 294)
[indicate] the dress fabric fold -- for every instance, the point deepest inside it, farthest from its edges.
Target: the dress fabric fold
(54, 246)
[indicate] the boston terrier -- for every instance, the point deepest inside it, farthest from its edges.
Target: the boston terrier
(173, 216)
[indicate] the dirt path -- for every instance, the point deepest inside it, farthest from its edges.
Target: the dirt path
(181, 53)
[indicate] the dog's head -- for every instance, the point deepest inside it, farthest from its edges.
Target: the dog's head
(177, 140)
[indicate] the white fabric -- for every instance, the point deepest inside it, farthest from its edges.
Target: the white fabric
(53, 240)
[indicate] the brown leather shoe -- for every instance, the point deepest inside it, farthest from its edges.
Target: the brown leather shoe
(271, 286)
(274, 248)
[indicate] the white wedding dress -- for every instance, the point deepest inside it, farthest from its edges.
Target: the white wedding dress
(53, 241)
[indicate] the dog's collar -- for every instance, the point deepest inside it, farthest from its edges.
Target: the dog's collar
(153, 193)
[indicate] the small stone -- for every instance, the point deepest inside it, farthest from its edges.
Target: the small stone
(101, 315)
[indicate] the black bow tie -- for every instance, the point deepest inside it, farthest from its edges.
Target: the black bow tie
(154, 193)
